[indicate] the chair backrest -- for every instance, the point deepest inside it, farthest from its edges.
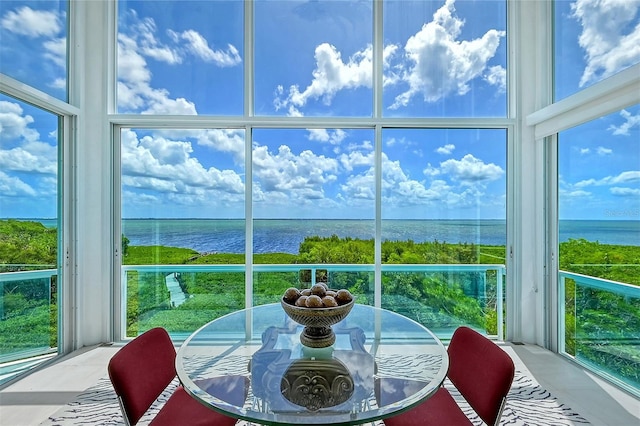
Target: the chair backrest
(141, 370)
(481, 371)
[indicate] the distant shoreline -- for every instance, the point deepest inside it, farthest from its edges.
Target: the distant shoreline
(40, 219)
(286, 235)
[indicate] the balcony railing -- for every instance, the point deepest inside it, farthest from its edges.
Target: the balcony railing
(601, 318)
(184, 297)
(600, 322)
(28, 320)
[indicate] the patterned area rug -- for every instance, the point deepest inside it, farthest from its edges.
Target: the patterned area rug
(528, 404)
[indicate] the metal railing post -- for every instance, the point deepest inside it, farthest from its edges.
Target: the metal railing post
(500, 304)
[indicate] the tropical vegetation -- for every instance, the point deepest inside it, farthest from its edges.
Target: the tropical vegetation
(600, 326)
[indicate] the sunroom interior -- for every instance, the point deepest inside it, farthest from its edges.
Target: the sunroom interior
(457, 162)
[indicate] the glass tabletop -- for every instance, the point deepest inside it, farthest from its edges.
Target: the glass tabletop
(251, 365)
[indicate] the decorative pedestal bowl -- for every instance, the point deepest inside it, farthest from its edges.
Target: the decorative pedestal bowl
(317, 384)
(317, 332)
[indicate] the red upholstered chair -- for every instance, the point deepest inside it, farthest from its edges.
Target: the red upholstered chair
(480, 370)
(142, 370)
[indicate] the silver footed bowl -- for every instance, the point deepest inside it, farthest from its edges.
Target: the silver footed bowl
(317, 322)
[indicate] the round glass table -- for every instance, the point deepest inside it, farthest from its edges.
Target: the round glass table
(251, 365)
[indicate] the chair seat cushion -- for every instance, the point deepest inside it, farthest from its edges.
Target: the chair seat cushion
(182, 409)
(439, 410)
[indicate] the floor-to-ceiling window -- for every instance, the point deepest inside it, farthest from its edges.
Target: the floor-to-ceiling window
(322, 139)
(598, 188)
(182, 190)
(34, 53)
(444, 203)
(313, 203)
(268, 95)
(599, 250)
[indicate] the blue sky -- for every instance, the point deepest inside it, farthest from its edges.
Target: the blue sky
(313, 59)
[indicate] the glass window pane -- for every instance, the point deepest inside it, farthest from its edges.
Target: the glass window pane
(444, 203)
(445, 59)
(599, 187)
(33, 36)
(313, 204)
(313, 58)
(599, 235)
(593, 40)
(29, 234)
(182, 204)
(180, 57)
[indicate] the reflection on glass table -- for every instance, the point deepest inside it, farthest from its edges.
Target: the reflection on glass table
(381, 364)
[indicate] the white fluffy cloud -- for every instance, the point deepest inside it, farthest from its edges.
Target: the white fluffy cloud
(610, 36)
(199, 47)
(446, 149)
(440, 64)
(11, 186)
(56, 51)
(399, 189)
(32, 157)
(624, 185)
(22, 151)
(167, 166)
(14, 124)
(32, 23)
(602, 151)
(330, 76)
(300, 176)
(631, 176)
(43, 25)
(224, 140)
(453, 184)
(433, 63)
(134, 86)
(135, 91)
(625, 192)
(471, 170)
(355, 159)
(334, 137)
(630, 121)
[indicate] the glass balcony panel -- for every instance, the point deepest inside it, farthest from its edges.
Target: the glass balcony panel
(602, 326)
(271, 281)
(599, 249)
(444, 297)
(180, 298)
(30, 235)
(443, 193)
(29, 313)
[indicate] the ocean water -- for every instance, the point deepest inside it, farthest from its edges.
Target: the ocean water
(228, 235)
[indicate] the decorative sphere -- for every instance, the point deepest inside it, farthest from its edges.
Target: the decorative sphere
(343, 296)
(314, 301)
(291, 295)
(329, 302)
(319, 290)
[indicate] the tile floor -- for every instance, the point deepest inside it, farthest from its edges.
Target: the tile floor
(34, 398)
